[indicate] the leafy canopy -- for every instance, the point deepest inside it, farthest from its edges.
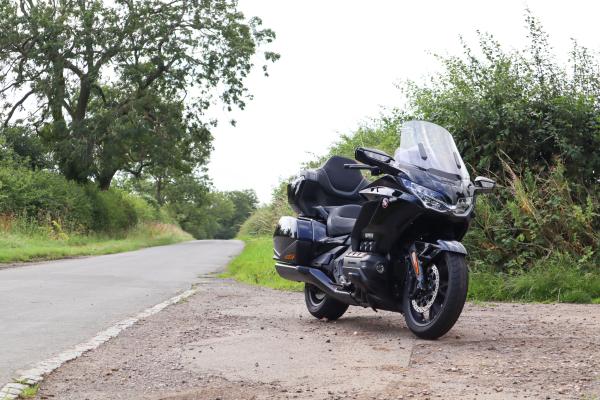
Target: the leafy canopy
(121, 85)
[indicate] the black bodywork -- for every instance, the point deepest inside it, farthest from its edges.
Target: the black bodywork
(352, 238)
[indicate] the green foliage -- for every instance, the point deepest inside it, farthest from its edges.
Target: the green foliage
(48, 199)
(531, 219)
(23, 147)
(519, 103)
(381, 134)
(123, 86)
(255, 265)
(44, 196)
(112, 210)
(30, 391)
(192, 202)
(556, 278)
(244, 203)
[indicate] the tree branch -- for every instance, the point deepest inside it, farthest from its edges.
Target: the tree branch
(69, 65)
(100, 91)
(17, 105)
(68, 108)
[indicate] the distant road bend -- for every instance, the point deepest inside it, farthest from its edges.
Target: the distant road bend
(49, 307)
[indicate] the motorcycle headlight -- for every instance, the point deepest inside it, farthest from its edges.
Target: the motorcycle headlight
(429, 198)
(436, 201)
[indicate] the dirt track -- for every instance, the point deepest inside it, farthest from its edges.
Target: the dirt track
(233, 341)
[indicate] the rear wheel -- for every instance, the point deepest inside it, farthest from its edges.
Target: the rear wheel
(431, 313)
(322, 306)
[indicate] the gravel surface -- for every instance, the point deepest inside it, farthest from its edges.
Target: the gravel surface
(232, 341)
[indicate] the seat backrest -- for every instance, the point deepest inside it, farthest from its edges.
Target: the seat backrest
(339, 181)
(330, 185)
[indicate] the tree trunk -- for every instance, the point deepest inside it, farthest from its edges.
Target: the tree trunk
(159, 198)
(105, 179)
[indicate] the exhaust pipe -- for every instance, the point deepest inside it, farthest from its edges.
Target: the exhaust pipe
(317, 278)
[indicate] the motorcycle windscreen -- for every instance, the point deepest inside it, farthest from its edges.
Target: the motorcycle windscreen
(429, 147)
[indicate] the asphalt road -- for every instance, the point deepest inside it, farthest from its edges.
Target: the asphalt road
(50, 307)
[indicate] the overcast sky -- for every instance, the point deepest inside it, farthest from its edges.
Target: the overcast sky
(339, 64)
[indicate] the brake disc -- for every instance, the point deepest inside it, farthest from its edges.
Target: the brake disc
(425, 300)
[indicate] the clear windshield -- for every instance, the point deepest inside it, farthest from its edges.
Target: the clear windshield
(430, 147)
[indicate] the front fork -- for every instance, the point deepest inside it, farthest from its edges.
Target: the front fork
(418, 270)
(421, 255)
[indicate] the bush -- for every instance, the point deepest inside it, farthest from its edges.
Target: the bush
(112, 210)
(44, 197)
(530, 219)
(518, 102)
(33, 200)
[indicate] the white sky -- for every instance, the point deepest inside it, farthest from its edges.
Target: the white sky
(340, 60)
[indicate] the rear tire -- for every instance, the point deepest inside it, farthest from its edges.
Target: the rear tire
(322, 306)
(449, 301)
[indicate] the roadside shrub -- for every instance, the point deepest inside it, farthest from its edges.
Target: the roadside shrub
(45, 203)
(44, 197)
(381, 134)
(532, 218)
(112, 210)
(522, 103)
(144, 210)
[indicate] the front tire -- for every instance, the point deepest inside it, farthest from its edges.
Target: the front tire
(431, 321)
(322, 306)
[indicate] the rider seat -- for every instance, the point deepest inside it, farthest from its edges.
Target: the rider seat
(330, 193)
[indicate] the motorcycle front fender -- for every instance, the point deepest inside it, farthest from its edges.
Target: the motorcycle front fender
(452, 246)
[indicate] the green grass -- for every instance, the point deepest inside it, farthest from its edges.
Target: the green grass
(18, 246)
(550, 281)
(255, 265)
(544, 283)
(30, 392)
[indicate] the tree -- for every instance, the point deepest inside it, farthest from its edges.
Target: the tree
(244, 203)
(103, 82)
(157, 136)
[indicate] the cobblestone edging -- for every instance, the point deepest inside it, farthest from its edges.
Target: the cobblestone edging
(35, 375)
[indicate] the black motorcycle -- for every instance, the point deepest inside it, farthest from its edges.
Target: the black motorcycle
(392, 244)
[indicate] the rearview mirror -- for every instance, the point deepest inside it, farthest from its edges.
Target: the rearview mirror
(483, 184)
(371, 156)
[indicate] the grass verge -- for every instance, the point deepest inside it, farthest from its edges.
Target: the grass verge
(551, 282)
(255, 265)
(23, 246)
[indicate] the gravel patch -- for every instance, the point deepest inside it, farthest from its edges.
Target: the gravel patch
(233, 341)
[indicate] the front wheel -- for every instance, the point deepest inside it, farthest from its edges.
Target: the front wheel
(431, 313)
(322, 306)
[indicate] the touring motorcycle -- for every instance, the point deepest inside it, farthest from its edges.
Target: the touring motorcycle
(391, 244)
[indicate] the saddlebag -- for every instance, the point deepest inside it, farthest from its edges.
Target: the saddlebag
(294, 240)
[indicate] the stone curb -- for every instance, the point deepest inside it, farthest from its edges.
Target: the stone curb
(35, 375)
